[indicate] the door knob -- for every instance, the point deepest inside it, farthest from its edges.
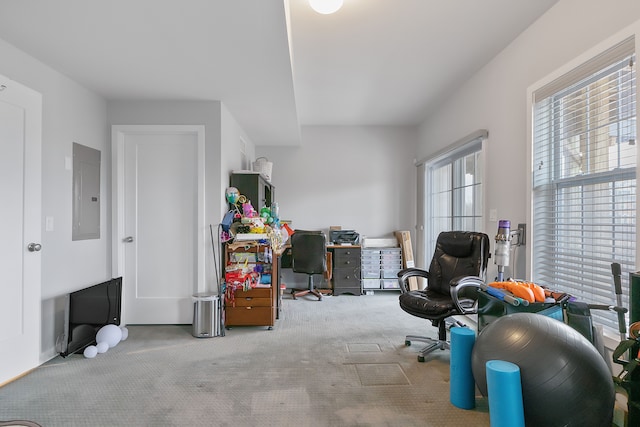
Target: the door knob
(34, 247)
(128, 239)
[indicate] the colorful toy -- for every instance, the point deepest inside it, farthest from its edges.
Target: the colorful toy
(225, 236)
(243, 229)
(248, 210)
(266, 214)
(526, 290)
(277, 237)
(232, 194)
(257, 225)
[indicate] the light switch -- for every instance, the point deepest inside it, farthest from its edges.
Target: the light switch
(493, 215)
(48, 223)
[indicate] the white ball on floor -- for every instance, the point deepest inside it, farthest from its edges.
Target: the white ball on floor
(90, 352)
(102, 347)
(111, 334)
(125, 333)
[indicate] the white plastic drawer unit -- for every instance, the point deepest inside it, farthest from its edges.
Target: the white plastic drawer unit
(371, 283)
(392, 254)
(387, 265)
(370, 273)
(390, 284)
(371, 260)
(367, 263)
(380, 267)
(390, 273)
(371, 253)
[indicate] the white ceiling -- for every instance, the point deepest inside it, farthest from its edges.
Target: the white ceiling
(374, 62)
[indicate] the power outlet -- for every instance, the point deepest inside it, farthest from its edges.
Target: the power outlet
(522, 234)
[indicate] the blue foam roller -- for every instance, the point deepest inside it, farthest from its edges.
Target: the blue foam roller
(462, 390)
(504, 391)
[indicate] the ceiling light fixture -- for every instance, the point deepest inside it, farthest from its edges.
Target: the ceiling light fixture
(326, 6)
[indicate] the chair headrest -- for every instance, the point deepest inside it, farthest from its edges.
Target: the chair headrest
(459, 245)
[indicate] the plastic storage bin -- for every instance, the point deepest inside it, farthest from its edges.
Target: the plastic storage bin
(490, 308)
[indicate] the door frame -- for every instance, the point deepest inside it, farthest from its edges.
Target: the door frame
(118, 137)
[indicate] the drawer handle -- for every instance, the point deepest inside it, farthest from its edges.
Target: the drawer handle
(248, 298)
(248, 308)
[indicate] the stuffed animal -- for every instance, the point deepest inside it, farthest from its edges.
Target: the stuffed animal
(248, 210)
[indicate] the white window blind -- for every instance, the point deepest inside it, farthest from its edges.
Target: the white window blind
(584, 179)
(454, 191)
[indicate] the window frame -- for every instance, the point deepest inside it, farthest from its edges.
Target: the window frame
(473, 144)
(598, 58)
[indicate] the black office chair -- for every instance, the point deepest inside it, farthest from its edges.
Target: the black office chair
(309, 256)
(456, 272)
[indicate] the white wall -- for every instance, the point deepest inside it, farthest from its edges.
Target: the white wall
(232, 137)
(495, 98)
(360, 178)
(357, 177)
(205, 113)
(71, 114)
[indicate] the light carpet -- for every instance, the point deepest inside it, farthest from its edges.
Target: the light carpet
(336, 362)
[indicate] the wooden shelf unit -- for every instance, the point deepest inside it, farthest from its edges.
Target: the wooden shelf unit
(255, 306)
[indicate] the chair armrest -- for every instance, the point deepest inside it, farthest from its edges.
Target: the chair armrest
(460, 283)
(403, 277)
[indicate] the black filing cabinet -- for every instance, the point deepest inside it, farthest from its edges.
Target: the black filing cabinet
(346, 270)
(255, 188)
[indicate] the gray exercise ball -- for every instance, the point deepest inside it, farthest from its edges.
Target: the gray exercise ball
(565, 380)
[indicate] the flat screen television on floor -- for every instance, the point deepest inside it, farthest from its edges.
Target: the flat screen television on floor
(87, 310)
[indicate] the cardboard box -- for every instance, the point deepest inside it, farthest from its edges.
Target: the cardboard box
(404, 239)
(369, 242)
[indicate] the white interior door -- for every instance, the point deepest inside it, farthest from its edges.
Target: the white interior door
(161, 234)
(20, 206)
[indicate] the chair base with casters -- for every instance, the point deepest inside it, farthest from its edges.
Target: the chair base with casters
(432, 343)
(318, 293)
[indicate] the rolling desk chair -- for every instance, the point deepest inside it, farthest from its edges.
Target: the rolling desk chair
(458, 267)
(309, 256)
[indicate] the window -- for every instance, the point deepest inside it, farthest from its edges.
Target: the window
(584, 179)
(453, 187)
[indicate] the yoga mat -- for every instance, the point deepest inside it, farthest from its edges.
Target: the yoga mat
(504, 391)
(462, 387)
